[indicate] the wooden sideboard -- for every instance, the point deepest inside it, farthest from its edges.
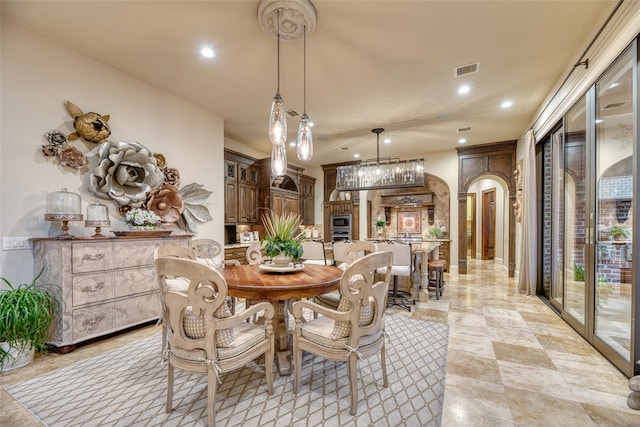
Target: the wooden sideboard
(105, 285)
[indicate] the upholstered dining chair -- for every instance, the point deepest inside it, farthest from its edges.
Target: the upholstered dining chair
(254, 253)
(178, 284)
(401, 268)
(203, 336)
(339, 249)
(210, 252)
(313, 253)
(350, 253)
(355, 330)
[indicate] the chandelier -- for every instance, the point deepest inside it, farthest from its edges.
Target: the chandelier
(287, 20)
(380, 173)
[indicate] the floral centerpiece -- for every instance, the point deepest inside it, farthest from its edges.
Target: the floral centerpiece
(284, 237)
(142, 219)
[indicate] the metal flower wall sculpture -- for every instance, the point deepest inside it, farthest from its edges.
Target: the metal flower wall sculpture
(129, 174)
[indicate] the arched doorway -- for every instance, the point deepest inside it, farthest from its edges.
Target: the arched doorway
(496, 160)
(488, 237)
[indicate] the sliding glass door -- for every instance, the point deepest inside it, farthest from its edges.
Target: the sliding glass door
(615, 197)
(575, 213)
(588, 170)
(552, 217)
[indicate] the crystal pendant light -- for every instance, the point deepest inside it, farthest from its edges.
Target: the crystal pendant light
(278, 159)
(305, 138)
(278, 124)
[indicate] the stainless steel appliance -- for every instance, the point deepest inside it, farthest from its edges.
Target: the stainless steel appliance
(341, 227)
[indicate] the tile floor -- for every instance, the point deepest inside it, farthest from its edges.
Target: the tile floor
(511, 361)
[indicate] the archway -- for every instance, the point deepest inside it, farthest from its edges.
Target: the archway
(498, 160)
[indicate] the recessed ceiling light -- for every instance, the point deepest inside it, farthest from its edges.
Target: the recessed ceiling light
(310, 124)
(357, 156)
(464, 89)
(599, 121)
(506, 104)
(207, 52)
(462, 141)
(292, 144)
(614, 85)
(387, 141)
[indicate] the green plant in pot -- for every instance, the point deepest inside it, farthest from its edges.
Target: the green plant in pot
(435, 232)
(284, 237)
(619, 232)
(26, 314)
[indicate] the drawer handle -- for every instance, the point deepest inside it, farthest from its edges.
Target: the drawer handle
(96, 257)
(91, 324)
(99, 286)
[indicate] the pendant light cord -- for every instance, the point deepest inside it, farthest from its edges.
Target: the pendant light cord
(278, 31)
(304, 71)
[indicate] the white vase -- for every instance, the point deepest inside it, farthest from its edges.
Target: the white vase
(281, 260)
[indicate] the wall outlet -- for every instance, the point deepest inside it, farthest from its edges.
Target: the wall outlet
(15, 243)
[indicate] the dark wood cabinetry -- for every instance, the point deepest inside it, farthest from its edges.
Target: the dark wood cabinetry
(333, 205)
(307, 195)
(248, 194)
(230, 201)
(281, 201)
(249, 186)
(341, 207)
(241, 196)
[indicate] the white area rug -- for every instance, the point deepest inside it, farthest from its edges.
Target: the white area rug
(127, 387)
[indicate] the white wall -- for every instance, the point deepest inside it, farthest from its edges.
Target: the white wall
(37, 78)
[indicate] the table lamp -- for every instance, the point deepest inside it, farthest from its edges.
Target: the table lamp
(63, 206)
(97, 216)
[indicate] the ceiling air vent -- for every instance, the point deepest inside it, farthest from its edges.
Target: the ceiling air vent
(613, 105)
(292, 113)
(465, 129)
(466, 69)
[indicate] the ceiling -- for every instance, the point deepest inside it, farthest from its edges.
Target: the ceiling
(369, 64)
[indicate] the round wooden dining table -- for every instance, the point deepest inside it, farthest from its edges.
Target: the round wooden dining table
(256, 282)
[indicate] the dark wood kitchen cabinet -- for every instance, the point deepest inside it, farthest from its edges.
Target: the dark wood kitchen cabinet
(241, 196)
(307, 202)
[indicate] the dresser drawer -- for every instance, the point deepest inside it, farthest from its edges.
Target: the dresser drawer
(134, 253)
(87, 257)
(135, 281)
(92, 288)
(138, 309)
(92, 321)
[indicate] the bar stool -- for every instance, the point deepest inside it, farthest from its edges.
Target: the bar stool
(401, 267)
(436, 275)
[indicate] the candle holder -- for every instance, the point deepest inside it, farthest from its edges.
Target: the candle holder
(63, 206)
(97, 216)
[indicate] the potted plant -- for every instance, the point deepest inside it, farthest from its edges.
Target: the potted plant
(619, 232)
(435, 232)
(380, 224)
(284, 237)
(26, 314)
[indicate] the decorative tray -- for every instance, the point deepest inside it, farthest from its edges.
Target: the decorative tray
(291, 268)
(131, 234)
